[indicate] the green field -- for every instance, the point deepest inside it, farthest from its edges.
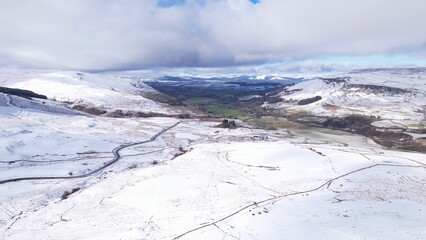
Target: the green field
(221, 110)
(215, 108)
(198, 101)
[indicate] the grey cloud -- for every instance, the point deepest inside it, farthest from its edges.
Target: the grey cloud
(118, 34)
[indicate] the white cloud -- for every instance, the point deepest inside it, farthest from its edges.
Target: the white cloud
(114, 34)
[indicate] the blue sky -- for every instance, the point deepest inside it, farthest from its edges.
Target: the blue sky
(170, 3)
(103, 35)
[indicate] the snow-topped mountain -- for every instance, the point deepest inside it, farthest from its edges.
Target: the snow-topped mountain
(385, 93)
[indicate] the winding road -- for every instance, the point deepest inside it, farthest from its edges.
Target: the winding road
(115, 152)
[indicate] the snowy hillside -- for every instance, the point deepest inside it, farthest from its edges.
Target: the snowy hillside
(388, 94)
(103, 93)
(231, 185)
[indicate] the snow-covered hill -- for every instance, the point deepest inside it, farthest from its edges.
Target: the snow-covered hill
(386, 93)
(103, 92)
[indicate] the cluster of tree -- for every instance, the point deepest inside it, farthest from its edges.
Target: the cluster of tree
(309, 100)
(378, 89)
(347, 122)
(228, 124)
(21, 93)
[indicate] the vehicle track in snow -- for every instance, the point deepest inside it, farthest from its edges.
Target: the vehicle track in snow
(116, 158)
(272, 199)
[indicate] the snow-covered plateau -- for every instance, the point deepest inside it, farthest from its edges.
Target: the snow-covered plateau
(66, 174)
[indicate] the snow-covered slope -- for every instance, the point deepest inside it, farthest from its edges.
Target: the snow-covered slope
(390, 94)
(105, 92)
(243, 189)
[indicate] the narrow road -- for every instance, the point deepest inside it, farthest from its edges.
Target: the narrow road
(115, 152)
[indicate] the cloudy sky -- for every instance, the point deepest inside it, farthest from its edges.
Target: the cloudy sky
(139, 34)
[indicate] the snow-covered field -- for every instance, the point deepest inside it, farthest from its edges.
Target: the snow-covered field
(195, 181)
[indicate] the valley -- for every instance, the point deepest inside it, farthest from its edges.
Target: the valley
(254, 101)
(151, 159)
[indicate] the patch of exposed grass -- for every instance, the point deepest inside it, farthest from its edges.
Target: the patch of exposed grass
(159, 97)
(273, 123)
(312, 119)
(198, 101)
(222, 110)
